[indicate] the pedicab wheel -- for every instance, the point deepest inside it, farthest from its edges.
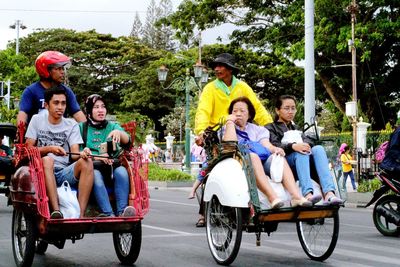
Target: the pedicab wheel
(23, 238)
(224, 231)
(387, 205)
(127, 244)
(41, 247)
(318, 237)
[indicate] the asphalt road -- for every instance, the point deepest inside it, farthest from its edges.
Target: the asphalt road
(170, 239)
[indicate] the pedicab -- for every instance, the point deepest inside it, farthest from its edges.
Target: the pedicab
(6, 165)
(232, 205)
(33, 229)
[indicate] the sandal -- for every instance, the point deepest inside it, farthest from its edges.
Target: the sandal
(201, 223)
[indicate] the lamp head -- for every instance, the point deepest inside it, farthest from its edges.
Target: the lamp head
(162, 73)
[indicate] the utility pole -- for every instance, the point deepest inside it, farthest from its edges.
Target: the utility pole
(353, 9)
(309, 68)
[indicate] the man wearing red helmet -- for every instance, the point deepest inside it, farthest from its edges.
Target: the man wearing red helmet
(50, 66)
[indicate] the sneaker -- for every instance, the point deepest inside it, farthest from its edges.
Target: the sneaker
(302, 202)
(277, 204)
(56, 215)
(315, 199)
(129, 211)
(333, 201)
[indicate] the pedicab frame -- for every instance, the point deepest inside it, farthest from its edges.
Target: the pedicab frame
(9, 130)
(233, 206)
(32, 227)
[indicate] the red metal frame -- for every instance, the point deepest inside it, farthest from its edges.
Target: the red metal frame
(138, 172)
(28, 192)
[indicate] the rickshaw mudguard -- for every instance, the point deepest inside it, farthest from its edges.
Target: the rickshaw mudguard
(227, 181)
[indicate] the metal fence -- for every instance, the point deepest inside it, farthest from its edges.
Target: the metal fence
(366, 162)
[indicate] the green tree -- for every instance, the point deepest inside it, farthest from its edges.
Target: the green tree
(278, 27)
(17, 69)
(100, 63)
(156, 35)
(137, 27)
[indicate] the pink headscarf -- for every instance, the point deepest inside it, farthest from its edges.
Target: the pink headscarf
(341, 149)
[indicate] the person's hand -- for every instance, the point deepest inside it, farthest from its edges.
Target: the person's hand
(115, 135)
(231, 117)
(85, 153)
(302, 148)
(199, 140)
(58, 151)
(278, 150)
(107, 160)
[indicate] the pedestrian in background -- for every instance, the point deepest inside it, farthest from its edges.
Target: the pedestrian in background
(346, 160)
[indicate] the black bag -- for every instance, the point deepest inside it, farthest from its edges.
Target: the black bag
(105, 169)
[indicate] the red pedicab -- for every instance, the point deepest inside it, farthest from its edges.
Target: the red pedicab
(32, 228)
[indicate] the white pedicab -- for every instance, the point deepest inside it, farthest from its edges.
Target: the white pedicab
(233, 206)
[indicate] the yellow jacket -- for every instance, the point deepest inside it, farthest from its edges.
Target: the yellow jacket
(214, 104)
(345, 157)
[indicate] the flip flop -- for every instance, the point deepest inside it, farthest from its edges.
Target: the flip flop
(201, 223)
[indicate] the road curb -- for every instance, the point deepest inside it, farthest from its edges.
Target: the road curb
(170, 184)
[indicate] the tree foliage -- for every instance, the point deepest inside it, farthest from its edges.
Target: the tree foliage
(277, 28)
(137, 27)
(158, 36)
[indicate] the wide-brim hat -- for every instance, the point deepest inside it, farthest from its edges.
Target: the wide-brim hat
(225, 59)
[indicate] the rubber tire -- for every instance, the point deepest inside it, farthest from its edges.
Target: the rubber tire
(213, 227)
(128, 255)
(23, 255)
(313, 223)
(41, 247)
(385, 200)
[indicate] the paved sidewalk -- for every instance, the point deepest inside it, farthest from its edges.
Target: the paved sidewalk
(353, 199)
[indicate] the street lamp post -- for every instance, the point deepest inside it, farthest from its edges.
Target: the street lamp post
(17, 25)
(199, 75)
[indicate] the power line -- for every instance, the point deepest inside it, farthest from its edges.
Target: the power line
(74, 11)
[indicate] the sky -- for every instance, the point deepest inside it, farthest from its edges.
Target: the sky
(104, 16)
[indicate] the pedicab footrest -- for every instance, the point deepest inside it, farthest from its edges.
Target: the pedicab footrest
(91, 225)
(296, 214)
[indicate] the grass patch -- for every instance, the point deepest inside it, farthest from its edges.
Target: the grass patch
(156, 173)
(369, 185)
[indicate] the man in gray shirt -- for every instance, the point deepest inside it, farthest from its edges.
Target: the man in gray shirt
(55, 136)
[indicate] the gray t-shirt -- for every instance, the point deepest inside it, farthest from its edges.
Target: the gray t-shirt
(65, 134)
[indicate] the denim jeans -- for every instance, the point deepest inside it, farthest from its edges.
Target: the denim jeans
(353, 182)
(121, 190)
(300, 165)
(66, 174)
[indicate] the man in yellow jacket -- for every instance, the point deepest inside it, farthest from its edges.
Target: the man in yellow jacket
(216, 98)
(218, 94)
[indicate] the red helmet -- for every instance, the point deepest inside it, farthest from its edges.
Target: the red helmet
(50, 59)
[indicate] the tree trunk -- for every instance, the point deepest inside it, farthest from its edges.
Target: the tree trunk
(331, 92)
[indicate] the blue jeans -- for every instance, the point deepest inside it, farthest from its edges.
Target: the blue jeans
(353, 182)
(121, 190)
(65, 174)
(300, 165)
